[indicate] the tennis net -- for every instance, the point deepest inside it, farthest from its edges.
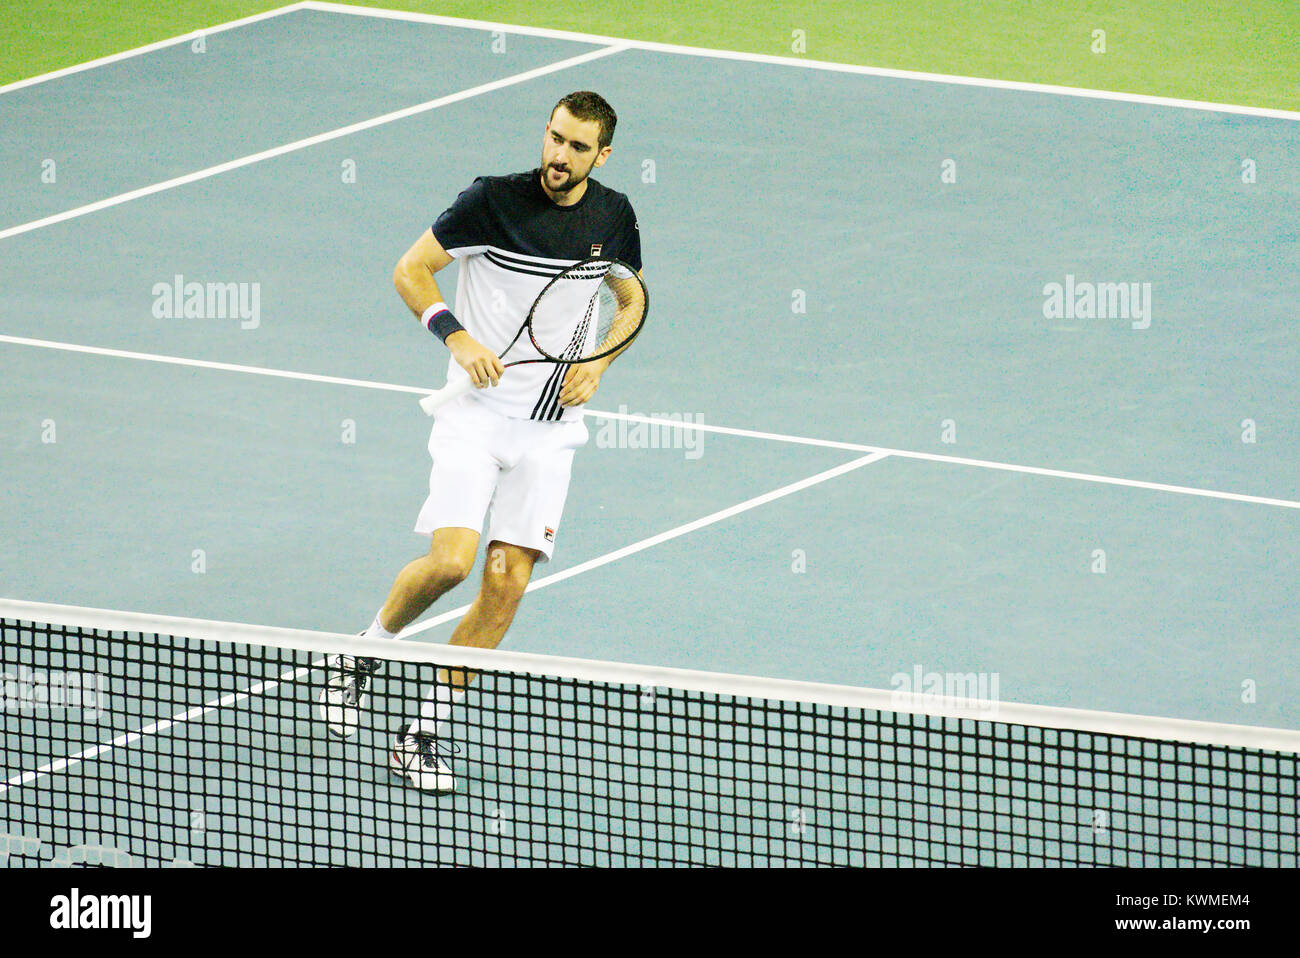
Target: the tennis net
(150, 740)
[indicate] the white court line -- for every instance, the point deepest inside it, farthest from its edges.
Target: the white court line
(958, 460)
(197, 712)
(155, 728)
(616, 45)
(161, 44)
(803, 63)
(662, 537)
(682, 51)
(699, 427)
(207, 364)
(310, 141)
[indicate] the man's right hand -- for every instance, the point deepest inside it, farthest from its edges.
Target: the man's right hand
(483, 365)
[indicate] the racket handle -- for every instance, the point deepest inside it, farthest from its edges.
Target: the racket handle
(440, 397)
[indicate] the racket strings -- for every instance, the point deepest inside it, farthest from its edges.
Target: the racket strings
(617, 322)
(575, 348)
(614, 312)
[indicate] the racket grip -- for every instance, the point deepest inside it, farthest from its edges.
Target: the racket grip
(440, 397)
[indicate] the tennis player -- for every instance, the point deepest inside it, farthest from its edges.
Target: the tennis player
(505, 449)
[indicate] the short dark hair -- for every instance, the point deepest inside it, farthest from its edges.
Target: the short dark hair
(591, 107)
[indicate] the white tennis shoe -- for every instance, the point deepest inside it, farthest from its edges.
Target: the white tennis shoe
(344, 696)
(415, 757)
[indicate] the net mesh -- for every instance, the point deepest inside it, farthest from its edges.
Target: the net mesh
(150, 749)
(588, 311)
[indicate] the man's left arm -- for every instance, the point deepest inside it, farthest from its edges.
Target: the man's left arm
(583, 379)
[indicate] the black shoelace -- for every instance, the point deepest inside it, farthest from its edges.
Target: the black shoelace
(429, 745)
(359, 673)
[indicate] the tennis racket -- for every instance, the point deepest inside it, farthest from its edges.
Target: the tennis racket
(592, 309)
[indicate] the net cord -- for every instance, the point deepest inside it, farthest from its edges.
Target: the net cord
(619, 673)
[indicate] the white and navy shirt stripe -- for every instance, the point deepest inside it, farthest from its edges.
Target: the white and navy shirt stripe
(510, 239)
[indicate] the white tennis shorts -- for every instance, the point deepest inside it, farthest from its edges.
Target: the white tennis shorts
(518, 467)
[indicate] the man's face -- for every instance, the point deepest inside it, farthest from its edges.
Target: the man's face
(570, 151)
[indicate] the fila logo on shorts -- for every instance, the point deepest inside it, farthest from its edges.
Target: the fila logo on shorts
(595, 248)
(550, 534)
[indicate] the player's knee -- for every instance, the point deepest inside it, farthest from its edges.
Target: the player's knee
(448, 570)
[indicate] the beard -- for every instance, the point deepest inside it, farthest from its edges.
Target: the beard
(570, 179)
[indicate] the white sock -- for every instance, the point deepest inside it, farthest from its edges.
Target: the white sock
(377, 630)
(436, 709)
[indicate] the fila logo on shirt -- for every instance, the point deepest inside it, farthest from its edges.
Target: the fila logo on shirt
(550, 534)
(595, 248)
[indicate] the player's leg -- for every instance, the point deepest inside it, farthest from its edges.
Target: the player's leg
(506, 573)
(423, 581)
(526, 511)
(461, 484)
(416, 755)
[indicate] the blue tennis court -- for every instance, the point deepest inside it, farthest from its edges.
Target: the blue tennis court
(864, 434)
